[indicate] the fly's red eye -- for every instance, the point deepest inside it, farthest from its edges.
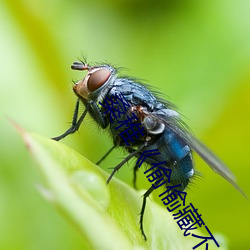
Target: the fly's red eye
(97, 79)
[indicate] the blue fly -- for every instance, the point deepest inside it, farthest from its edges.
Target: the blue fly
(163, 128)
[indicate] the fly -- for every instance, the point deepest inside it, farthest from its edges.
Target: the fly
(162, 124)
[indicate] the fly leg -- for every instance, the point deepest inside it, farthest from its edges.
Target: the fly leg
(134, 169)
(145, 196)
(105, 155)
(134, 175)
(75, 124)
(125, 160)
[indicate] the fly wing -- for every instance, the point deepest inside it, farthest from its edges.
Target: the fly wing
(175, 124)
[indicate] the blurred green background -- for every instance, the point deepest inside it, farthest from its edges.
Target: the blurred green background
(195, 52)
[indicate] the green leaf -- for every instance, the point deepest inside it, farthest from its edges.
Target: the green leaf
(106, 216)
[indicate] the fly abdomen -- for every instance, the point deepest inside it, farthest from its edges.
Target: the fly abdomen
(178, 149)
(177, 155)
(182, 168)
(182, 172)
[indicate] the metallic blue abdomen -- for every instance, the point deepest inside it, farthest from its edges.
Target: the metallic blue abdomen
(177, 155)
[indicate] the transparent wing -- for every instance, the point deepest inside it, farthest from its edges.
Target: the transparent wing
(175, 124)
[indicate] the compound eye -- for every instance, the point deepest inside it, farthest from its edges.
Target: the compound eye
(97, 79)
